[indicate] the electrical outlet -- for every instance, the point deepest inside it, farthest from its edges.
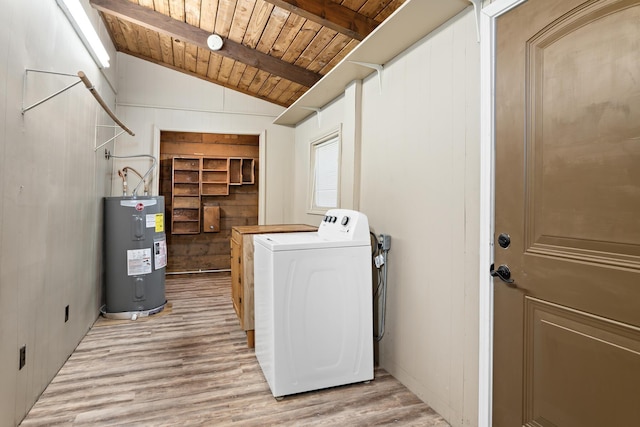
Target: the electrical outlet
(384, 240)
(66, 314)
(23, 356)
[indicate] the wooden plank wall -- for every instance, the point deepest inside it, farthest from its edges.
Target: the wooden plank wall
(208, 251)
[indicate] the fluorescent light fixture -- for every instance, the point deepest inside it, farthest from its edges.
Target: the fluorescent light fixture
(81, 24)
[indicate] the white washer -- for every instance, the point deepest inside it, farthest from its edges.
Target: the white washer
(313, 305)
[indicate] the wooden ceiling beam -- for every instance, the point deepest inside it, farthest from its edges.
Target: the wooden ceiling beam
(179, 30)
(330, 14)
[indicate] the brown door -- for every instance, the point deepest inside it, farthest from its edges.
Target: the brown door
(567, 330)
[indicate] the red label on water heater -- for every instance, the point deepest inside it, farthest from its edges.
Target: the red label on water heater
(139, 207)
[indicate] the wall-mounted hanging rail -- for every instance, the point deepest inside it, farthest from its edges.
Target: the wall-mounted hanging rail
(84, 79)
(24, 88)
(105, 107)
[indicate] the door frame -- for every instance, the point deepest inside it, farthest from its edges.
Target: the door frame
(262, 153)
(488, 17)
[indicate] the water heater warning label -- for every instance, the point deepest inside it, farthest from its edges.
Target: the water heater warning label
(138, 261)
(160, 252)
(155, 221)
(159, 223)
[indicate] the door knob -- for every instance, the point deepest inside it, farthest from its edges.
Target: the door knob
(503, 273)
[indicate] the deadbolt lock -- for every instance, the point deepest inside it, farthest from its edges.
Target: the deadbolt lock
(504, 240)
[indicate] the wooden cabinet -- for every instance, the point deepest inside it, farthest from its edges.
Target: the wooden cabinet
(185, 195)
(242, 269)
(210, 219)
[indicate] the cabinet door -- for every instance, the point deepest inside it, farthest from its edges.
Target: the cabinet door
(247, 282)
(236, 279)
(211, 219)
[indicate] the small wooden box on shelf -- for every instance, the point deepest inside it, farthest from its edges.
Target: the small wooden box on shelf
(235, 171)
(248, 171)
(241, 171)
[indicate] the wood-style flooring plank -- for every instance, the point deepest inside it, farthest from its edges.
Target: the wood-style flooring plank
(190, 366)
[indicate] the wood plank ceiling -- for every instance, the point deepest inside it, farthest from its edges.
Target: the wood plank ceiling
(273, 49)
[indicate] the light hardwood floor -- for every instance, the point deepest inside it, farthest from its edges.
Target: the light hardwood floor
(190, 366)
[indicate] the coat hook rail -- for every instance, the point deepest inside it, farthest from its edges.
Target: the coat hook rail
(108, 140)
(24, 88)
(105, 107)
(84, 79)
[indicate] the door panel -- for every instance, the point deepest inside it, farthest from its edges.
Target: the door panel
(582, 156)
(567, 332)
(563, 346)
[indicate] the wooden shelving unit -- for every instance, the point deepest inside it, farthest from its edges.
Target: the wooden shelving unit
(248, 171)
(235, 171)
(185, 195)
(194, 177)
(241, 171)
(408, 24)
(215, 176)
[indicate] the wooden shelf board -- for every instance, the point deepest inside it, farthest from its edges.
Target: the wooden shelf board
(408, 24)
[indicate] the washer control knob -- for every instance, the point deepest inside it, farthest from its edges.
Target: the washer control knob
(345, 220)
(325, 219)
(334, 218)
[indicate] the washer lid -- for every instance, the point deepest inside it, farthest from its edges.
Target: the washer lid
(302, 241)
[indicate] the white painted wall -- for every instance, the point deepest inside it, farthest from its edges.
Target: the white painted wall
(152, 98)
(419, 183)
(344, 114)
(51, 188)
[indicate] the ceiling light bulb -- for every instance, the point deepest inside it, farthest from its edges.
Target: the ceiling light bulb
(214, 42)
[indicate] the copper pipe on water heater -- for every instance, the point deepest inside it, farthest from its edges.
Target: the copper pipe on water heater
(124, 182)
(129, 168)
